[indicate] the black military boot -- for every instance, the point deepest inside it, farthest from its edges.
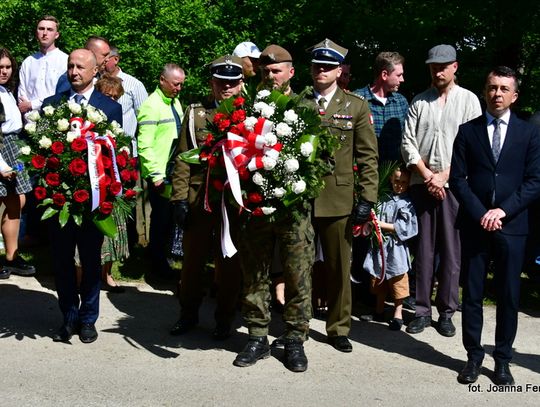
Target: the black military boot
(256, 348)
(295, 358)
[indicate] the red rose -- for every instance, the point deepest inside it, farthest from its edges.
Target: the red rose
(238, 116)
(106, 180)
(106, 207)
(57, 148)
(255, 197)
(52, 179)
(209, 140)
(258, 212)
(81, 195)
(53, 163)
(224, 125)
(106, 161)
(59, 199)
(217, 184)
(38, 161)
(134, 175)
(130, 194)
(133, 162)
(77, 167)
(243, 173)
(121, 160)
(239, 101)
(219, 117)
(79, 144)
(125, 175)
(40, 193)
(115, 188)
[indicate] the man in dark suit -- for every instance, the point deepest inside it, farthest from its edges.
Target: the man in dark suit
(346, 116)
(79, 305)
(495, 176)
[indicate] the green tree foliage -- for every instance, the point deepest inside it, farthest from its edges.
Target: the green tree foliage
(192, 33)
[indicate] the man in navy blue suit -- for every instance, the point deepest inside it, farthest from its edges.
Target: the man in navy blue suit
(79, 305)
(495, 176)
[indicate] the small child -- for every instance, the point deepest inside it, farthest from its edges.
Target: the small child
(397, 220)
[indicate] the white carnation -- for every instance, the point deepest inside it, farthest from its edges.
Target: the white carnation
(30, 127)
(279, 192)
(269, 163)
(48, 110)
(299, 186)
(250, 123)
(290, 116)
(72, 135)
(292, 165)
(262, 94)
(264, 109)
(257, 178)
(26, 150)
(74, 108)
(283, 130)
(62, 125)
(306, 149)
(268, 210)
(270, 139)
(33, 116)
(45, 142)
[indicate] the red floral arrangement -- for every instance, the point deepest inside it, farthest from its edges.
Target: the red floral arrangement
(83, 164)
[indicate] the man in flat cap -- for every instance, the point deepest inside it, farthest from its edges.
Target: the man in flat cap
(294, 237)
(346, 116)
(250, 54)
(430, 129)
(277, 68)
(201, 228)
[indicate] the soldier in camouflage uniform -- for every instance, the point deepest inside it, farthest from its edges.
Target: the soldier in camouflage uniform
(295, 239)
(347, 116)
(201, 228)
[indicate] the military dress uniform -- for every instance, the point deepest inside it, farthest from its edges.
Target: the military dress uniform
(202, 231)
(347, 116)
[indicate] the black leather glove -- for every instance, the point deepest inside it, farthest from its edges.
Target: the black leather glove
(179, 212)
(361, 214)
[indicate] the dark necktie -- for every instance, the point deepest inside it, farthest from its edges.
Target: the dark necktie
(321, 103)
(496, 144)
(176, 118)
(78, 98)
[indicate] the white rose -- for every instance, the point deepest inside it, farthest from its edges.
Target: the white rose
(269, 163)
(71, 135)
(250, 123)
(270, 139)
(299, 186)
(116, 128)
(45, 142)
(94, 116)
(33, 115)
(262, 94)
(306, 149)
(268, 210)
(283, 130)
(290, 116)
(292, 165)
(75, 108)
(48, 110)
(26, 150)
(110, 133)
(30, 127)
(257, 179)
(279, 192)
(62, 125)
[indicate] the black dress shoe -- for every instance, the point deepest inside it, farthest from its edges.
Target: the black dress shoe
(470, 372)
(279, 342)
(65, 333)
(502, 374)
(418, 324)
(256, 348)
(409, 303)
(445, 327)
(183, 326)
(19, 267)
(4, 274)
(295, 357)
(88, 333)
(341, 343)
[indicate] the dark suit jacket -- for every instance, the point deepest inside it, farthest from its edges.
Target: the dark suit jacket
(112, 109)
(515, 178)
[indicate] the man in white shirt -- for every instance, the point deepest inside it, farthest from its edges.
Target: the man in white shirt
(40, 72)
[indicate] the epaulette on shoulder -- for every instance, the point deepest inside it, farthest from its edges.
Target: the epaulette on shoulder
(195, 105)
(356, 95)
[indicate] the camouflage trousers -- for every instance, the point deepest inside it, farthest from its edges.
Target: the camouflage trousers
(295, 240)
